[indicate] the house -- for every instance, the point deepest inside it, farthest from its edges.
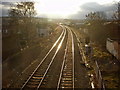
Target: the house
(113, 46)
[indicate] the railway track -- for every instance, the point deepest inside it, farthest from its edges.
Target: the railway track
(45, 73)
(66, 78)
(36, 79)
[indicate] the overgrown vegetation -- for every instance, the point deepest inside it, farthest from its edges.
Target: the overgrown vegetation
(98, 28)
(20, 28)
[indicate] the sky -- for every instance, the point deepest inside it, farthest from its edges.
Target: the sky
(65, 8)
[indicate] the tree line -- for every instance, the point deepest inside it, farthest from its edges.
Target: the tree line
(100, 28)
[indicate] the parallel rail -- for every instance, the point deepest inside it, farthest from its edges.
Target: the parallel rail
(35, 79)
(66, 78)
(51, 61)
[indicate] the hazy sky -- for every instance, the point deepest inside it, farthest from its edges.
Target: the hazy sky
(67, 8)
(64, 7)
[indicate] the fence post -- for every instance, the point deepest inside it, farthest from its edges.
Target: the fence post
(99, 77)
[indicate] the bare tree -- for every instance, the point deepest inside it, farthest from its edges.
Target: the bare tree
(96, 15)
(23, 9)
(21, 16)
(116, 14)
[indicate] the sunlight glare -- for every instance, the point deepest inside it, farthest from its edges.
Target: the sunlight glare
(57, 7)
(63, 7)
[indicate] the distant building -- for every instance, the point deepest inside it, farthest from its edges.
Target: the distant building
(113, 46)
(43, 32)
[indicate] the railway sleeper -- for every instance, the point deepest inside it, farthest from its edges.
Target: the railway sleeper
(37, 78)
(67, 79)
(66, 84)
(66, 87)
(38, 75)
(67, 76)
(67, 70)
(68, 66)
(62, 83)
(31, 86)
(33, 83)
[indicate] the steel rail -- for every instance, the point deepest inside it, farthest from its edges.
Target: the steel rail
(43, 58)
(51, 61)
(63, 64)
(58, 85)
(72, 57)
(81, 50)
